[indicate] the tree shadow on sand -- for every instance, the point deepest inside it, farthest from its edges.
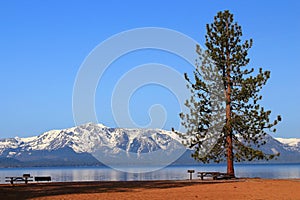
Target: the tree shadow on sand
(34, 190)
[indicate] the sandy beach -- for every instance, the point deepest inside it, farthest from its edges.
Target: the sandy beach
(196, 189)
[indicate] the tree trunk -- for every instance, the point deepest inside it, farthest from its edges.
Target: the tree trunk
(230, 168)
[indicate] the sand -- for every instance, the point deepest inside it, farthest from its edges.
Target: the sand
(196, 189)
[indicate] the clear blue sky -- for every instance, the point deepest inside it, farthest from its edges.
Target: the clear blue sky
(43, 44)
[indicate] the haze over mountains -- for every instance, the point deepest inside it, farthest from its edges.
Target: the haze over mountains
(95, 144)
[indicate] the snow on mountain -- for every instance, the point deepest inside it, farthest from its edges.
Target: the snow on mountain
(290, 143)
(87, 137)
(8, 143)
(109, 145)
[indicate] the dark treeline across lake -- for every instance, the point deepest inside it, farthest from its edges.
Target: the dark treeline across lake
(65, 174)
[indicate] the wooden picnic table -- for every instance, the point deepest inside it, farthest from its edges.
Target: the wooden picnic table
(25, 178)
(214, 175)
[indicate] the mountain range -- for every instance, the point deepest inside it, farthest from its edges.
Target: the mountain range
(95, 144)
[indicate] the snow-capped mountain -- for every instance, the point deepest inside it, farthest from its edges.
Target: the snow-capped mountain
(110, 146)
(96, 144)
(87, 137)
(290, 143)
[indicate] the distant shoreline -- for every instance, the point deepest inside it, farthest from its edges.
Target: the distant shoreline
(171, 165)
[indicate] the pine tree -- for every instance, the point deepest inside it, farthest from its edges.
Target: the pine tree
(226, 121)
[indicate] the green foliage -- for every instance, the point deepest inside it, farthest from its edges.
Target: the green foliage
(225, 98)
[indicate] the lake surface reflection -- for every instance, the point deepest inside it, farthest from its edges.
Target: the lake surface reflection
(64, 174)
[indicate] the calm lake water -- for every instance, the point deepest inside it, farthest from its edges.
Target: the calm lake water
(63, 174)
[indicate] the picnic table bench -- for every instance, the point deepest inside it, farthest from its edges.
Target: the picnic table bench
(42, 178)
(25, 178)
(215, 175)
